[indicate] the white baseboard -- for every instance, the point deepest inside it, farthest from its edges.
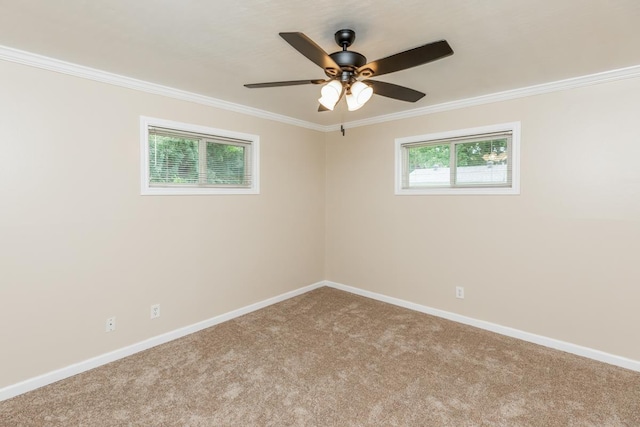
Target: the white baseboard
(587, 352)
(77, 368)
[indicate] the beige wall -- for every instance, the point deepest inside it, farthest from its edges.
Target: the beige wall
(79, 244)
(559, 260)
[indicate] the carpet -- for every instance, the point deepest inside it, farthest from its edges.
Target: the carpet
(331, 358)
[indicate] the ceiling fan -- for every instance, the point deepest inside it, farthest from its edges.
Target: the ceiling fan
(348, 71)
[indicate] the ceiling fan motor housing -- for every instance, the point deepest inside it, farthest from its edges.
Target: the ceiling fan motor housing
(349, 59)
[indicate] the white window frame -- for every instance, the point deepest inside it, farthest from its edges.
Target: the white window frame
(514, 161)
(146, 190)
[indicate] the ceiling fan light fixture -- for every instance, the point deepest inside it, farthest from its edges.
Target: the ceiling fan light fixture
(328, 103)
(330, 94)
(352, 103)
(360, 94)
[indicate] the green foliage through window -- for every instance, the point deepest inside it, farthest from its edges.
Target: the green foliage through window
(465, 161)
(427, 157)
(482, 153)
(173, 160)
(225, 164)
(196, 161)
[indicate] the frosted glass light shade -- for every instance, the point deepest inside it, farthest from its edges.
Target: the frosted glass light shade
(330, 94)
(352, 103)
(360, 94)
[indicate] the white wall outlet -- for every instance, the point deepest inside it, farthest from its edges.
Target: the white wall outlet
(111, 324)
(459, 292)
(155, 311)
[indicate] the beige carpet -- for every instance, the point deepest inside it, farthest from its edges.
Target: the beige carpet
(329, 358)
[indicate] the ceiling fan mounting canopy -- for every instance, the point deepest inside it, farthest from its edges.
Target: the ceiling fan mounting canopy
(347, 67)
(345, 38)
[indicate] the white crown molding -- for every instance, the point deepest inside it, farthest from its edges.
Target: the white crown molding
(567, 347)
(51, 64)
(572, 83)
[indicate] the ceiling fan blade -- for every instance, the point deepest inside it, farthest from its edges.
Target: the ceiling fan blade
(312, 51)
(407, 59)
(287, 83)
(394, 91)
(322, 108)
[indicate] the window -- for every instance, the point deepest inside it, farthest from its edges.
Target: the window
(179, 158)
(482, 160)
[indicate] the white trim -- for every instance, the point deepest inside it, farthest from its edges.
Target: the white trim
(571, 83)
(147, 190)
(77, 368)
(85, 365)
(567, 347)
(514, 127)
(51, 64)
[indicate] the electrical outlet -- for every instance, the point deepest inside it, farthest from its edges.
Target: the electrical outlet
(459, 292)
(155, 311)
(111, 324)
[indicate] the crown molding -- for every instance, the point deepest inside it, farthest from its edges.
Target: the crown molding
(572, 83)
(51, 64)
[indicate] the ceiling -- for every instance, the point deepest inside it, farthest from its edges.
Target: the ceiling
(213, 47)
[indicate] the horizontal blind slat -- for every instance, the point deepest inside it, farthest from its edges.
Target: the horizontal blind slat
(160, 131)
(470, 138)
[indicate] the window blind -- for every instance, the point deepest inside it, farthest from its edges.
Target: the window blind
(481, 160)
(183, 158)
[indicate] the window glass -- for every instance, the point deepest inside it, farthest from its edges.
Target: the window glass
(429, 165)
(173, 160)
(225, 164)
(179, 158)
(481, 160)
